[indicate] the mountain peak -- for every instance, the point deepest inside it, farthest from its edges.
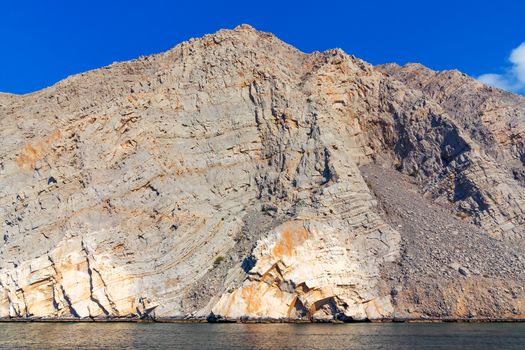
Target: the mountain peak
(235, 177)
(245, 27)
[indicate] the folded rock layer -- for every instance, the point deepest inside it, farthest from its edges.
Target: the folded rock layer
(234, 177)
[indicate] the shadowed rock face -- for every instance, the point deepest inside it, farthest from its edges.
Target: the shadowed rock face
(224, 178)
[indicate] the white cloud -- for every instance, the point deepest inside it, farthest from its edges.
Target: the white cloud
(517, 57)
(496, 80)
(513, 79)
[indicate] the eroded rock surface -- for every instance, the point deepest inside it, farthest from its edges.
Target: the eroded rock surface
(224, 179)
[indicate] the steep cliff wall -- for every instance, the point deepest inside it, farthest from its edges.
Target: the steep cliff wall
(224, 179)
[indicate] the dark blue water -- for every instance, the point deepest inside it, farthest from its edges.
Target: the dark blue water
(261, 336)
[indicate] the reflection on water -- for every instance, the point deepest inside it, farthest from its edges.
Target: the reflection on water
(261, 336)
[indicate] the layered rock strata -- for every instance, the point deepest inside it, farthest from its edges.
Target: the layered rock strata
(223, 179)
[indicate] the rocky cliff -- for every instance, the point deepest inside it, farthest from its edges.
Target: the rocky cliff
(237, 177)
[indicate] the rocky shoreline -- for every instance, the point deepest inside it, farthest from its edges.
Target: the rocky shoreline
(265, 320)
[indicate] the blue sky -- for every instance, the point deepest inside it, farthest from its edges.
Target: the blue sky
(44, 41)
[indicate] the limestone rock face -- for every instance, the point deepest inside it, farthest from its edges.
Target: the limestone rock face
(294, 287)
(224, 179)
(481, 147)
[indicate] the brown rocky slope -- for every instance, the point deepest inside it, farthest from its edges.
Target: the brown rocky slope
(236, 177)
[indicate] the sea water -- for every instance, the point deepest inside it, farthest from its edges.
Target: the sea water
(390, 336)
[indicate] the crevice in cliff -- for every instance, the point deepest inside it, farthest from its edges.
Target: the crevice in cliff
(26, 309)
(90, 273)
(111, 302)
(72, 310)
(54, 301)
(297, 309)
(323, 307)
(12, 306)
(327, 170)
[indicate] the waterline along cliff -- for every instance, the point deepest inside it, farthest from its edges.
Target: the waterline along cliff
(235, 177)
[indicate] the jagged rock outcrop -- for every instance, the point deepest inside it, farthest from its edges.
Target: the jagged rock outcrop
(481, 147)
(224, 179)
